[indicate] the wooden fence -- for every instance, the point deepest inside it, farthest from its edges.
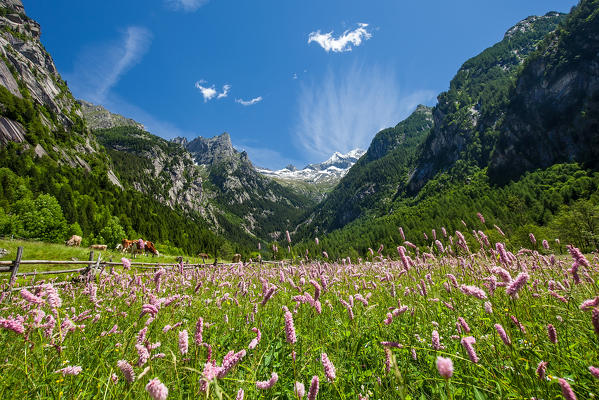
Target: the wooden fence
(90, 266)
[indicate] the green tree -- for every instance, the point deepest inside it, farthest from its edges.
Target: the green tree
(41, 218)
(113, 232)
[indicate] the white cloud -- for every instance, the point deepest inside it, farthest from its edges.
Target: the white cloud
(210, 92)
(249, 102)
(186, 5)
(343, 42)
(344, 112)
(225, 92)
(100, 67)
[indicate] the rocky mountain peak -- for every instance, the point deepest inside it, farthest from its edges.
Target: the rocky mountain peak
(208, 151)
(98, 117)
(338, 160)
(528, 24)
(180, 140)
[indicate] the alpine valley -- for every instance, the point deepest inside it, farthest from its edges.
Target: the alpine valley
(515, 137)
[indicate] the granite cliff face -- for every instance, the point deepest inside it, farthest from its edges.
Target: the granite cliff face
(209, 151)
(553, 115)
(26, 65)
(468, 116)
(54, 123)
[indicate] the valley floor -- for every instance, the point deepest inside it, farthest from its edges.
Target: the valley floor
(444, 324)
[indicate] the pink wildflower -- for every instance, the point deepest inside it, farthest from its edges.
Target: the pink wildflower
(445, 367)
(474, 291)
(126, 263)
(31, 298)
(590, 303)
(240, 394)
(13, 324)
(567, 391)
(517, 284)
(595, 319)
(467, 343)
(183, 341)
(265, 385)
(69, 371)
(387, 360)
(503, 335)
(127, 370)
(230, 360)
(289, 328)
(436, 343)
(542, 369)
(198, 338)
(256, 340)
(313, 391)
(464, 324)
(329, 368)
(299, 389)
(156, 389)
(392, 344)
(594, 371)
(149, 309)
(143, 353)
(552, 334)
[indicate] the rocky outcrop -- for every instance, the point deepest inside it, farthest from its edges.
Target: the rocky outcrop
(209, 151)
(31, 64)
(97, 117)
(553, 115)
(11, 131)
(8, 80)
(468, 115)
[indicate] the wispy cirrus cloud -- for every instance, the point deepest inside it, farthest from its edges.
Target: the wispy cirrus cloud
(342, 43)
(185, 5)
(249, 102)
(344, 112)
(99, 67)
(210, 92)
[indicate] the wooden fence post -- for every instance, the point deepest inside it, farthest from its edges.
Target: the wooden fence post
(14, 270)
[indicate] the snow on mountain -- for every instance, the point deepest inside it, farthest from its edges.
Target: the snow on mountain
(329, 171)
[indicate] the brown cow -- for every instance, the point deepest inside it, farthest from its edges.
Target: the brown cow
(149, 247)
(75, 240)
(126, 244)
(236, 258)
(101, 247)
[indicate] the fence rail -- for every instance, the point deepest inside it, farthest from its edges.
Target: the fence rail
(90, 266)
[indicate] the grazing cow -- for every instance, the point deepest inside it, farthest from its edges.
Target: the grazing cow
(75, 240)
(236, 258)
(126, 244)
(149, 247)
(141, 246)
(203, 256)
(101, 247)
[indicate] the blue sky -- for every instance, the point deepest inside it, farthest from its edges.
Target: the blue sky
(291, 81)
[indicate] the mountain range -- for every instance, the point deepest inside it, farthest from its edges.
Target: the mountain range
(316, 180)
(515, 136)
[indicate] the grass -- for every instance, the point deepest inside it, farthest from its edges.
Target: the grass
(390, 301)
(34, 250)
